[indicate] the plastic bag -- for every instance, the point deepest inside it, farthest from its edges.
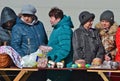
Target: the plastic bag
(41, 58)
(30, 60)
(36, 59)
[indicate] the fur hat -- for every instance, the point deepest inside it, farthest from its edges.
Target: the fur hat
(28, 9)
(107, 15)
(85, 16)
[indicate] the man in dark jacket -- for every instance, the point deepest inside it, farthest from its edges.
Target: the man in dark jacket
(8, 18)
(87, 45)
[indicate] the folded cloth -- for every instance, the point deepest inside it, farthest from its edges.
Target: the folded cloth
(16, 58)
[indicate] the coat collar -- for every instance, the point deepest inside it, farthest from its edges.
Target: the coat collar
(112, 29)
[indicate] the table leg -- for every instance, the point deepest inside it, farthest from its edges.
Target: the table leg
(4, 75)
(103, 76)
(20, 74)
(25, 77)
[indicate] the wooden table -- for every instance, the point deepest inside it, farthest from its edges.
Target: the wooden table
(26, 72)
(102, 71)
(22, 75)
(99, 71)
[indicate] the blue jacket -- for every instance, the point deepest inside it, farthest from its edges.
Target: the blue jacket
(60, 41)
(26, 38)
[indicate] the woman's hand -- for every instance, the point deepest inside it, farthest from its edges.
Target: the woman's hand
(45, 49)
(107, 58)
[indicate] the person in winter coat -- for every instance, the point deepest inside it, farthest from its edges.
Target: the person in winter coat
(107, 28)
(7, 21)
(86, 40)
(87, 46)
(61, 42)
(28, 33)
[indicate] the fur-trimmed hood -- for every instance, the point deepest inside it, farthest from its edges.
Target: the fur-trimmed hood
(111, 31)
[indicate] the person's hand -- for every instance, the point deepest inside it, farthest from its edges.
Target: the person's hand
(107, 58)
(45, 49)
(80, 61)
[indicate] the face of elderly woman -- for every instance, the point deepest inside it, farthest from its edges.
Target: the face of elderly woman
(27, 18)
(88, 24)
(105, 24)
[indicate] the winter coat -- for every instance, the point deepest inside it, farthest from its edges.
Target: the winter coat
(26, 38)
(7, 14)
(87, 45)
(117, 58)
(61, 42)
(108, 38)
(4, 36)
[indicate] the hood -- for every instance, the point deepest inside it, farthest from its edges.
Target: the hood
(7, 14)
(66, 20)
(112, 29)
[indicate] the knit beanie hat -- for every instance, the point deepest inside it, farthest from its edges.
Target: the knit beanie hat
(85, 16)
(28, 9)
(107, 15)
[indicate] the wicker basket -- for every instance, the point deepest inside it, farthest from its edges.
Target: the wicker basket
(5, 60)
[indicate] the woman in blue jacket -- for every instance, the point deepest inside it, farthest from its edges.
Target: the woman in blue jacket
(28, 33)
(60, 41)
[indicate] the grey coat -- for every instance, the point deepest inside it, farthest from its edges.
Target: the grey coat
(4, 36)
(7, 14)
(87, 45)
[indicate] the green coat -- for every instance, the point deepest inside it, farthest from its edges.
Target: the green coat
(60, 41)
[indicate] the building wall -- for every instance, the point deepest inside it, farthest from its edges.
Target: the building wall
(70, 7)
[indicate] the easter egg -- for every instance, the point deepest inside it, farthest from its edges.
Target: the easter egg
(74, 66)
(79, 65)
(87, 65)
(83, 65)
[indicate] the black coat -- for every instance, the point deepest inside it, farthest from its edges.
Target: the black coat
(87, 44)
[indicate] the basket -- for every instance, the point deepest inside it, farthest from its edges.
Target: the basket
(5, 60)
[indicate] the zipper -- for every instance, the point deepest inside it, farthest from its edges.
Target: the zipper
(28, 51)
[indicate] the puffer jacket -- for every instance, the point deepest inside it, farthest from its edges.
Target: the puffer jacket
(87, 45)
(108, 38)
(26, 38)
(61, 42)
(7, 14)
